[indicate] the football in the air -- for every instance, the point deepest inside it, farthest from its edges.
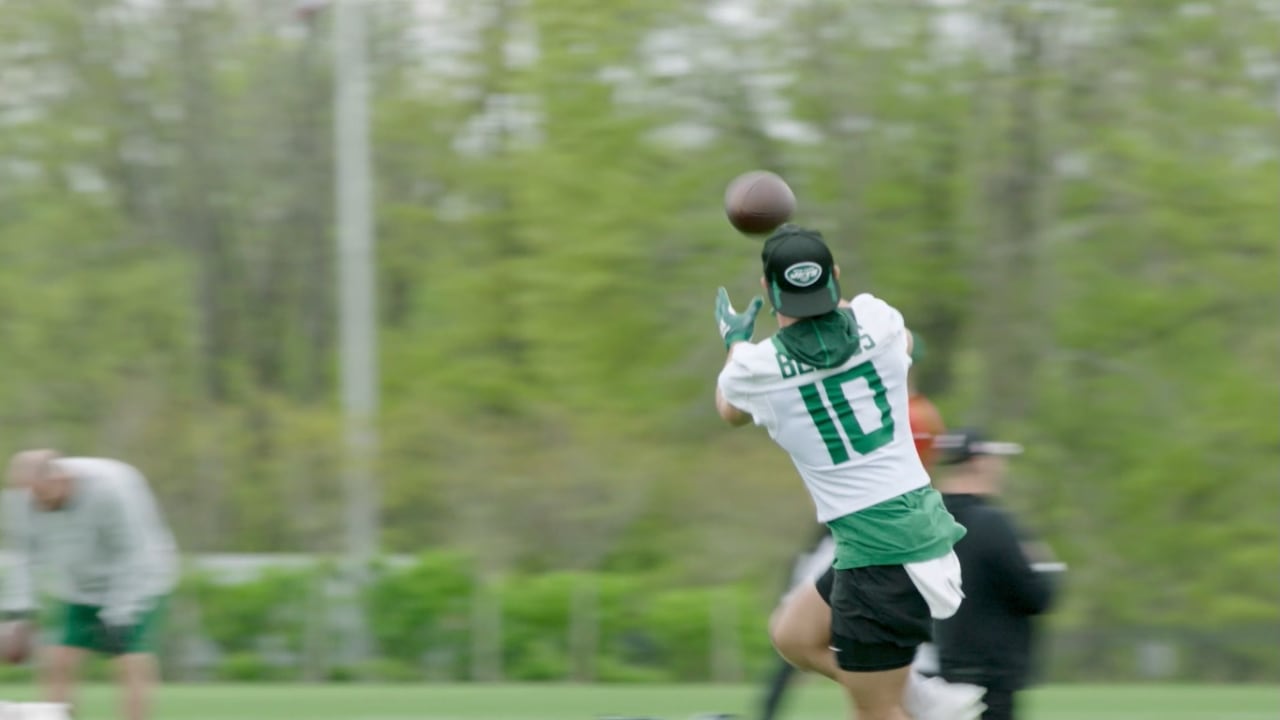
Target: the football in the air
(758, 202)
(17, 638)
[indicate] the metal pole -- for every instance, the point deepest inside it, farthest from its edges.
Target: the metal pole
(357, 318)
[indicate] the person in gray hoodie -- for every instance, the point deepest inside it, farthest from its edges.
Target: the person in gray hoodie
(92, 531)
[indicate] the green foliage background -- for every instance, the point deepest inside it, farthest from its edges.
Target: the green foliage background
(1074, 203)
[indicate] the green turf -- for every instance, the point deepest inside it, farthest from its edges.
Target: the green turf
(814, 701)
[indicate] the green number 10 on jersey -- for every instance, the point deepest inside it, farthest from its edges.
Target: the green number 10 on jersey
(860, 441)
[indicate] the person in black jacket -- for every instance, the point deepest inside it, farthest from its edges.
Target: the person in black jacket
(1008, 578)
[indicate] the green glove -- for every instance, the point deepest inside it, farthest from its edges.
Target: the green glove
(735, 326)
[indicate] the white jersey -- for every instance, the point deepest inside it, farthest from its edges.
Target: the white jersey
(846, 428)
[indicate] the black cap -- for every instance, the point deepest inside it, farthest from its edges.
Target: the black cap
(800, 273)
(964, 445)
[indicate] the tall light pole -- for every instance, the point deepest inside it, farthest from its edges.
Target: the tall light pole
(357, 312)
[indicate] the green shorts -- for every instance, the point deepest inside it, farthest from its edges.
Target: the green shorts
(82, 628)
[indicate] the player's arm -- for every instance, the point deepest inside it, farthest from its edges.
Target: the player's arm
(18, 598)
(736, 328)
(124, 530)
(730, 414)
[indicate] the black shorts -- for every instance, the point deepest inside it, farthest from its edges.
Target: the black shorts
(878, 617)
(1000, 705)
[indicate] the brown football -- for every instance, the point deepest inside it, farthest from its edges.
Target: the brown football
(17, 638)
(758, 202)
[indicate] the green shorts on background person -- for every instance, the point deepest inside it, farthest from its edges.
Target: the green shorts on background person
(83, 628)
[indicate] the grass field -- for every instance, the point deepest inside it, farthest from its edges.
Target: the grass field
(813, 701)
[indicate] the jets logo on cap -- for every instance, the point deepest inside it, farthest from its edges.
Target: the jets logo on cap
(803, 274)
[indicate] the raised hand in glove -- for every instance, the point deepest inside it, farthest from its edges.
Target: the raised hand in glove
(736, 326)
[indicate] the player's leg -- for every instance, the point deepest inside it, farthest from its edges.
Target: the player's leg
(60, 665)
(878, 619)
(815, 623)
(137, 673)
(136, 666)
(800, 629)
(876, 695)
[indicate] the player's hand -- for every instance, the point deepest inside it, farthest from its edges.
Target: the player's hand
(17, 639)
(736, 326)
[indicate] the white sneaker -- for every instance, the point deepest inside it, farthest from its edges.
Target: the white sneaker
(931, 698)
